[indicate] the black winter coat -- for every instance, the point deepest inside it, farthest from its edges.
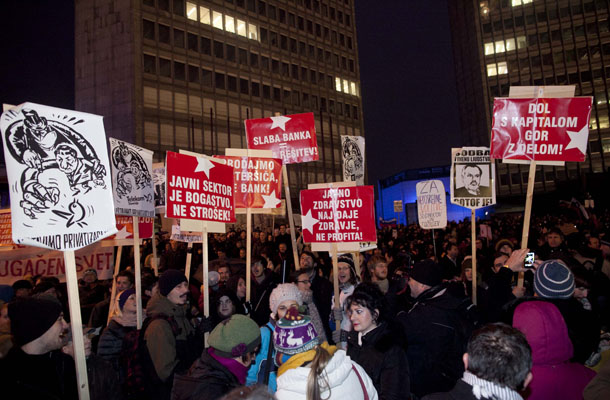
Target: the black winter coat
(436, 331)
(384, 360)
(206, 380)
(110, 346)
(260, 297)
(461, 391)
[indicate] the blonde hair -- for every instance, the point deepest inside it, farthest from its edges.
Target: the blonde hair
(317, 366)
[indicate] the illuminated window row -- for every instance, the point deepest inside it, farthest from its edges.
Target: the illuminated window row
(345, 86)
(501, 46)
(221, 21)
(517, 3)
(494, 69)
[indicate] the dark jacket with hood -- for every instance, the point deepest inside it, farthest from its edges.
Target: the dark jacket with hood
(260, 297)
(207, 379)
(554, 376)
(436, 332)
(383, 357)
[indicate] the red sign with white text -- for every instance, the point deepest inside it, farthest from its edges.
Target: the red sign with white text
(292, 138)
(541, 129)
(258, 181)
(124, 225)
(198, 188)
(340, 215)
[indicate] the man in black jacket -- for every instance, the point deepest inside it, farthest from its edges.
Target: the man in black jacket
(435, 330)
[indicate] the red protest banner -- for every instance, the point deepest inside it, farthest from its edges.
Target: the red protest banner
(541, 129)
(292, 138)
(198, 188)
(258, 181)
(342, 214)
(124, 225)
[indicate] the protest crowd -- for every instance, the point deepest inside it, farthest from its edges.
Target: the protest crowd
(406, 327)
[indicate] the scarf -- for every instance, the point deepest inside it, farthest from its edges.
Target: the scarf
(299, 359)
(482, 389)
(239, 370)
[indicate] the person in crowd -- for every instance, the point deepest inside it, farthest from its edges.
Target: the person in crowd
(497, 362)
(99, 315)
(499, 281)
(546, 332)
(92, 292)
(224, 365)
(554, 282)
(599, 387)
(224, 304)
(554, 248)
(170, 338)
(436, 331)
(505, 247)
(35, 368)
(312, 370)
(321, 288)
(122, 322)
(6, 339)
(449, 262)
(378, 270)
(348, 279)
(262, 283)
(224, 272)
(256, 392)
(263, 371)
(22, 288)
(302, 281)
(237, 285)
(375, 344)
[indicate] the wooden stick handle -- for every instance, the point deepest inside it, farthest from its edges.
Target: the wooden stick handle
(295, 252)
(531, 181)
(206, 285)
(154, 249)
(249, 252)
(137, 270)
(117, 265)
(189, 258)
(337, 303)
(473, 229)
(76, 325)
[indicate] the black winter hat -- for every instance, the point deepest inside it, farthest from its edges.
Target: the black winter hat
(427, 272)
(31, 317)
(169, 280)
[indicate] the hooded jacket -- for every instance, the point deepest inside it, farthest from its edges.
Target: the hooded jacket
(343, 382)
(554, 377)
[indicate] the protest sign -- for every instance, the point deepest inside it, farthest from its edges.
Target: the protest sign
(292, 138)
(16, 264)
(124, 225)
(472, 177)
(337, 215)
(185, 236)
(352, 152)
(198, 188)
(58, 173)
(398, 206)
(541, 129)
(431, 204)
(158, 174)
(132, 181)
(258, 181)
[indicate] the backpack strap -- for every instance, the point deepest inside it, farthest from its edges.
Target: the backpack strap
(267, 371)
(366, 395)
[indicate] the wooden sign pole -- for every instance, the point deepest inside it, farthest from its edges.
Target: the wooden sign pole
(473, 229)
(206, 285)
(434, 244)
(117, 265)
(154, 250)
(76, 325)
(295, 252)
(187, 266)
(137, 270)
(531, 180)
(249, 251)
(337, 304)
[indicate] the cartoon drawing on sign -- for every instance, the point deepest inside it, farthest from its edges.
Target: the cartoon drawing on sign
(159, 186)
(352, 159)
(129, 162)
(50, 150)
(468, 181)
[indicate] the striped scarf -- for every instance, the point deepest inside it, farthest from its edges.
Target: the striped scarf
(482, 389)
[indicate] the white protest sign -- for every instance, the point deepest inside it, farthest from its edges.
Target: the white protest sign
(132, 179)
(59, 177)
(472, 177)
(158, 174)
(431, 204)
(352, 154)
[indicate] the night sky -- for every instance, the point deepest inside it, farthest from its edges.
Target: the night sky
(406, 70)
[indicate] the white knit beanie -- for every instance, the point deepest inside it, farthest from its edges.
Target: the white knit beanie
(284, 291)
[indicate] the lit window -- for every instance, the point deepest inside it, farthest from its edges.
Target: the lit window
(352, 87)
(204, 15)
(521, 42)
(229, 24)
(521, 2)
(502, 68)
(345, 86)
(510, 44)
(491, 70)
(489, 48)
(217, 19)
(252, 32)
(500, 46)
(191, 11)
(338, 84)
(604, 122)
(241, 28)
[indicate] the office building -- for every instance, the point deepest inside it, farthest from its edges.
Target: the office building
(178, 74)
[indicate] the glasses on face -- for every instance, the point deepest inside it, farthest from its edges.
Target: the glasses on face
(305, 282)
